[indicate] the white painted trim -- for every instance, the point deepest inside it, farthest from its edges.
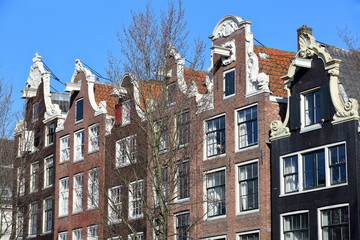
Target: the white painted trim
(239, 234)
(236, 128)
(327, 208)
(215, 237)
(205, 157)
(224, 85)
(290, 214)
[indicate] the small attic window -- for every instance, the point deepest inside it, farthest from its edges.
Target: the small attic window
(36, 111)
(229, 83)
(79, 110)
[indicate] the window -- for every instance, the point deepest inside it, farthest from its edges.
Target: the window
(126, 112)
(136, 236)
(79, 110)
(215, 136)
(36, 137)
(182, 226)
(65, 149)
(25, 142)
(314, 168)
(94, 138)
(249, 236)
(229, 83)
(335, 223)
(183, 128)
(63, 236)
(50, 134)
(48, 215)
(78, 193)
(20, 222)
(184, 180)
(247, 127)
(215, 238)
(312, 108)
(36, 111)
(77, 234)
(215, 192)
(171, 94)
(21, 181)
(296, 226)
(79, 146)
(114, 204)
(126, 151)
(161, 134)
(33, 218)
(248, 186)
(64, 196)
(93, 188)
(34, 177)
(93, 232)
(48, 172)
(136, 194)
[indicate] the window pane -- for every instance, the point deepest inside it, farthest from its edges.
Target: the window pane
(215, 136)
(248, 183)
(248, 127)
(79, 109)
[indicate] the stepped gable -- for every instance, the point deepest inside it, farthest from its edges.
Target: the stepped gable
(274, 63)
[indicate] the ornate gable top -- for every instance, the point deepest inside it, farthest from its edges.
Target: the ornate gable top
(226, 26)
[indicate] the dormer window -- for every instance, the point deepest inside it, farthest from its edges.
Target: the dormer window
(79, 110)
(36, 111)
(229, 83)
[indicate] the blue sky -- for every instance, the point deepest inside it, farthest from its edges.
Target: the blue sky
(62, 31)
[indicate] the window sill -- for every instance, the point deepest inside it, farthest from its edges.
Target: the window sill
(250, 147)
(76, 212)
(91, 208)
(215, 218)
(215, 157)
(46, 233)
(229, 96)
(93, 151)
(310, 128)
(182, 200)
(314, 189)
(79, 121)
(63, 162)
(113, 222)
(122, 165)
(50, 144)
(78, 160)
(135, 217)
(47, 187)
(63, 216)
(31, 236)
(247, 212)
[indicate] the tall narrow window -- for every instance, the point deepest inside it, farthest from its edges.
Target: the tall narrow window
(20, 222)
(64, 196)
(335, 223)
(183, 128)
(314, 169)
(21, 181)
(248, 186)
(48, 172)
(182, 224)
(126, 107)
(248, 127)
(77, 234)
(312, 108)
(161, 134)
(296, 227)
(215, 192)
(171, 94)
(79, 146)
(93, 188)
(337, 164)
(33, 218)
(65, 149)
(50, 134)
(229, 83)
(291, 178)
(78, 193)
(93, 232)
(93, 138)
(34, 178)
(215, 136)
(48, 215)
(136, 194)
(79, 110)
(36, 111)
(114, 204)
(126, 151)
(184, 180)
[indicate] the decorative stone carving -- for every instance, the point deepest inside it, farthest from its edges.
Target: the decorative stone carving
(348, 112)
(109, 123)
(230, 45)
(263, 82)
(306, 44)
(278, 130)
(101, 108)
(252, 63)
(226, 26)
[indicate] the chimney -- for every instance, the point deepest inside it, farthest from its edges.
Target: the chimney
(303, 29)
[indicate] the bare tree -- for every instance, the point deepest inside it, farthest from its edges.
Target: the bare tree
(155, 145)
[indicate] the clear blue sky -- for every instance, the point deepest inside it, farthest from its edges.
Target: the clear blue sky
(62, 31)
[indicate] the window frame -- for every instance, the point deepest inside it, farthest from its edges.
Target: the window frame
(64, 196)
(225, 83)
(50, 134)
(176, 227)
(215, 238)
(79, 148)
(331, 207)
(304, 127)
(63, 235)
(137, 235)
(75, 232)
(78, 193)
(34, 177)
(206, 189)
(93, 140)
(301, 189)
(242, 234)
(33, 218)
(288, 214)
(171, 94)
(94, 228)
(238, 146)
(238, 185)
(46, 211)
(35, 112)
(93, 189)
(79, 113)
(125, 149)
(206, 138)
(181, 176)
(137, 200)
(126, 112)
(49, 173)
(114, 202)
(183, 128)
(65, 149)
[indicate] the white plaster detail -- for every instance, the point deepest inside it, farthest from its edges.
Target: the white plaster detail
(101, 108)
(252, 63)
(301, 62)
(226, 26)
(60, 125)
(263, 55)
(19, 127)
(263, 82)
(71, 86)
(109, 123)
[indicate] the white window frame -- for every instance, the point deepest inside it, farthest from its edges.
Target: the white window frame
(63, 235)
(173, 84)
(237, 190)
(65, 148)
(237, 137)
(50, 135)
(310, 127)
(239, 235)
(182, 139)
(78, 193)
(93, 188)
(126, 112)
(34, 177)
(215, 238)
(21, 181)
(300, 154)
(319, 211)
(175, 223)
(282, 216)
(224, 83)
(114, 204)
(136, 200)
(49, 173)
(36, 112)
(94, 138)
(33, 218)
(205, 148)
(95, 230)
(126, 151)
(44, 225)
(76, 233)
(79, 145)
(63, 196)
(138, 236)
(206, 215)
(20, 222)
(76, 110)
(178, 179)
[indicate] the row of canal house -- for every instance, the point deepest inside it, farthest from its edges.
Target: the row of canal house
(193, 151)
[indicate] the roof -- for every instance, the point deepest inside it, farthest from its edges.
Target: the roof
(102, 92)
(275, 64)
(197, 76)
(349, 69)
